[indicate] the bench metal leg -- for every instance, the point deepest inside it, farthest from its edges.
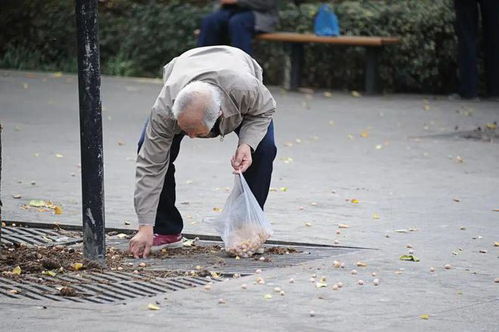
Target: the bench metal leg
(292, 74)
(372, 81)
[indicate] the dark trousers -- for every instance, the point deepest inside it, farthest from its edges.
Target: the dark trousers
(235, 26)
(467, 32)
(258, 176)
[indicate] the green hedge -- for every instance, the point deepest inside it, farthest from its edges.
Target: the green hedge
(138, 37)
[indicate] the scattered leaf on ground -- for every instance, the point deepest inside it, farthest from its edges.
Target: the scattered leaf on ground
(57, 210)
(308, 224)
(409, 258)
(424, 316)
(49, 273)
(343, 226)
(153, 306)
(190, 242)
(16, 196)
(37, 203)
(355, 201)
(364, 134)
(320, 284)
(376, 216)
(58, 155)
(267, 296)
(77, 266)
(16, 270)
(216, 209)
(355, 94)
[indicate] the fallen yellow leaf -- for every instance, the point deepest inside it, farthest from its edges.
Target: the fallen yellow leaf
(37, 203)
(57, 74)
(361, 264)
(364, 134)
(376, 216)
(343, 226)
(355, 94)
(283, 189)
(58, 155)
(216, 209)
(57, 210)
(77, 266)
(49, 273)
(153, 306)
(17, 270)
(320, 284)
(424, 316)
(496, 244)
(355, 201)
(267, 296)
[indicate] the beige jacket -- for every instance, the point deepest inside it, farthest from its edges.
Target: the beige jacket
(246, 102)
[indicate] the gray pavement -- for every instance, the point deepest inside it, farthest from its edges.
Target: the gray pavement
(415, 184)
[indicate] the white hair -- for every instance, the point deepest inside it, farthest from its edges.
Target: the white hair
(191, 93)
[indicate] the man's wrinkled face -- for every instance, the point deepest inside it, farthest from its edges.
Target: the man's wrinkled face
(193, 129)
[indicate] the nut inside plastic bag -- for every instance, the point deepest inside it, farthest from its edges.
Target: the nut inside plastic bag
(242, 223)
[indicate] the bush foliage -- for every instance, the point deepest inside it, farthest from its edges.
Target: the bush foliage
(137, 37)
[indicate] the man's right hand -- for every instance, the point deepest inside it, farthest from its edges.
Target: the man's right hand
(140, 245)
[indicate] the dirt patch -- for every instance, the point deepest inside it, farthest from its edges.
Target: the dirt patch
(281, 250)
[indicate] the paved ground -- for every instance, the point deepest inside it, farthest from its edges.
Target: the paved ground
(416, 184)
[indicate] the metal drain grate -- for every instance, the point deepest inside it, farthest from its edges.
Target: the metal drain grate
(221, 263)
(36, 236)
(98, 288)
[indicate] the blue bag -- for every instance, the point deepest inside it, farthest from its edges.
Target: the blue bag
(326, 22)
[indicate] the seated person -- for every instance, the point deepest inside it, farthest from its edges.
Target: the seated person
(237, 21)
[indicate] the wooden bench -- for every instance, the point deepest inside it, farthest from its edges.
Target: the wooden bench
(373, 46)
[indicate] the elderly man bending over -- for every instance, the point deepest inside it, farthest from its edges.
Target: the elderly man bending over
(207, 92)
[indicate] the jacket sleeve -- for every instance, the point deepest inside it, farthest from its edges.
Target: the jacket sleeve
(257, 108)
(152, 165)
(260, 5)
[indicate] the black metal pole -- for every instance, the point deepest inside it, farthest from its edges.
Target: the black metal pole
(92, 170)
(1, 220)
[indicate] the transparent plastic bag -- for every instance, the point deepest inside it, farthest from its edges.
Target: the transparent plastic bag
(242, 224)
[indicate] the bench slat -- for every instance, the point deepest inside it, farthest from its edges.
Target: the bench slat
(340, 40)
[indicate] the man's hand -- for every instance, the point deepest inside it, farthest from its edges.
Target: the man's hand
(140, 245)
(241, 160)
